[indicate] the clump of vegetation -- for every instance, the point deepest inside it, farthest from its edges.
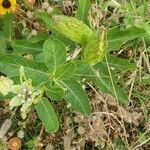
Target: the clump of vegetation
(74, 74)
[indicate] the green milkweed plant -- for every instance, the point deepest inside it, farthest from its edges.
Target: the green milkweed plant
(54, 75)
(50, 76)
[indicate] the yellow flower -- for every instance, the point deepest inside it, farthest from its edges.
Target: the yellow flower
(7, 6)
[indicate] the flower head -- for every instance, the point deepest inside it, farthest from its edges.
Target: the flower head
(14, 143)
(5, 85)
(7, 6)
(25, 96)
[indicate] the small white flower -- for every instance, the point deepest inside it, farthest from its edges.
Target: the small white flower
(23, 96)
(29, 99)
(24, 90)
(23, 101)
(30, 92)
(19, 95)
(20, 134)
(49, 10)
(29, 14)
(5, 85)
(34, 32)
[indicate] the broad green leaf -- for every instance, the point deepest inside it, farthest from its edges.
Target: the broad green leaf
(54, 92)
(96, 48)
(7, 26)
(47, 115)
(10, 65)
(27, 47)
(65, 72)
(73, 29)
(102, 82)
(119, 63)
(40, 57)
(76, 96)
(102, 69)
(54, 53)
(82, 11)
(117, 37)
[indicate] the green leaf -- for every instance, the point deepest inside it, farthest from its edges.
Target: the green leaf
(76, 96)
(27, 47)
(40, 57)
(117, 37)
(96, 48)
(119, 63)
(73, 29)
(54, 53)
(54, 92)
(7, 26)
(102, 82)
(102, 69)
(10, 65)
(82, 11)
(47, 115)
(65, 72)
